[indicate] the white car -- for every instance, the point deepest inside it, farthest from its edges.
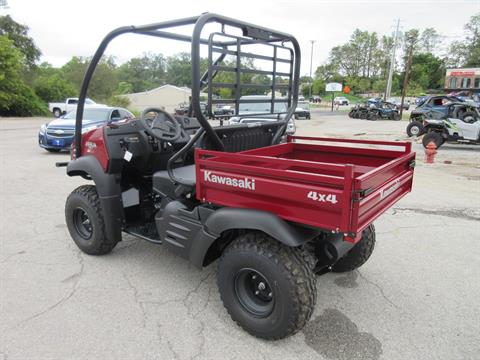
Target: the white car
(340, 100)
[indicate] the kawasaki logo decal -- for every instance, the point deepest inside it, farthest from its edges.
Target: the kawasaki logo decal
(245, 183)
(385, 192)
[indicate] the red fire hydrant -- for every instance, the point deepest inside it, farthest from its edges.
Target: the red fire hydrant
(430, 152)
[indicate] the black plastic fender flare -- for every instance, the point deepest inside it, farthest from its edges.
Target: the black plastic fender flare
(108, 189)
(224, 219)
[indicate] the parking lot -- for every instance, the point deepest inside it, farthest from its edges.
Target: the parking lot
(416, 298)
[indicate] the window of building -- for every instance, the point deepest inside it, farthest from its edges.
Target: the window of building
(465, 83)
(477, 83)
(453, 83)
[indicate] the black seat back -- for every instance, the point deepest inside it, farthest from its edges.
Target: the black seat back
(244, 137)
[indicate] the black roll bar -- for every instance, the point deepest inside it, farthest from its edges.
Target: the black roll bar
(256, 33)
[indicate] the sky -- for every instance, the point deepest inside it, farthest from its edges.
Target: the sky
(66, 28)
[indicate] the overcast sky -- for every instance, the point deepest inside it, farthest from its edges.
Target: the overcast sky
(64, 28)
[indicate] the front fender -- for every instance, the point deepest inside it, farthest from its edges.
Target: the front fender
(108, 189)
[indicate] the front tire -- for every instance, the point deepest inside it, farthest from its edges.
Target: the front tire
(359, 254)
(415, 128)
(268, 289)
(85, 221)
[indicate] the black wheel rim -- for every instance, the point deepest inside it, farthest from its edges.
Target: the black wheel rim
(254, 292)
(82, 223)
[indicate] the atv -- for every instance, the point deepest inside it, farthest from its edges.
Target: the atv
(383, 110)
(359, 111)
(441, 107)
(450, 130)
(272, 210)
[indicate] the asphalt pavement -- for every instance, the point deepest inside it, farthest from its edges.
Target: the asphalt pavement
(416, 298)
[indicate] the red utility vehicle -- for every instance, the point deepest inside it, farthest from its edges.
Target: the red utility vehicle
(275, 210)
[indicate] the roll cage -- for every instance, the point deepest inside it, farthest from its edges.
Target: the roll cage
(221, 43)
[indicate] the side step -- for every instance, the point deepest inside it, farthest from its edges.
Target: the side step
(146, 232)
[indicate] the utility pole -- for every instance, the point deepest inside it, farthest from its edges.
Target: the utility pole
(311, 80)
(408, 69)
(388, 91)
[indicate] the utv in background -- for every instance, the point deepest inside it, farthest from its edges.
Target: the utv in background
(438, 108)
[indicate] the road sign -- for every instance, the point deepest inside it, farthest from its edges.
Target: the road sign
(335, 87)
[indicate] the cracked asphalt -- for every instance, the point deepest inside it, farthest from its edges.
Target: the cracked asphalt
(416, 298)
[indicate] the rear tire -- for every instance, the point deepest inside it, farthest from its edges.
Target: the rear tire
(85, 222)
(372, 116)
(268, 289)
(469, 117)
(432, 136)
(359, 254)
(415, 128)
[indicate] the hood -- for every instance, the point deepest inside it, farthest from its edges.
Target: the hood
(70, 123)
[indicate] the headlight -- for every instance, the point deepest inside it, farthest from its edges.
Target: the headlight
(43, 129)
(87, 129)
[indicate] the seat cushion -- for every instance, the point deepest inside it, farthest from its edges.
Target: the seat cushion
(162, 183)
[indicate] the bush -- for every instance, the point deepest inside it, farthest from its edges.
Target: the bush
(118, 100)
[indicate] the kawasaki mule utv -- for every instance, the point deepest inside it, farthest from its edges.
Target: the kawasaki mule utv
(275, 210)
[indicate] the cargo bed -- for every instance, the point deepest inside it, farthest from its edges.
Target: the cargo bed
(339, 185)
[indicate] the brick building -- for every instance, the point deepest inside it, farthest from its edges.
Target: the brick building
(465, 80)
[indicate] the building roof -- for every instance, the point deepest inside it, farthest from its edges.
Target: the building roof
(183, 89)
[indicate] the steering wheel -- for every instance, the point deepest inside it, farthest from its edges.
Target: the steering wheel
(161, 125)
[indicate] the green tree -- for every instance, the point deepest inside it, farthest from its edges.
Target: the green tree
(467, 52)
(143, 73)
(19, 35)
(429, 39)
(16, 98)
(104, 81)
(53, 88)
(179, 70)
(428, 71)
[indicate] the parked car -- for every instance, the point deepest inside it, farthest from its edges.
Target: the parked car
(182, 108)
(302, 110)
(223, 111)
(441, 107)
(58, 108)
(340, 100)
(398, 103)
(263, 109)
(58, 134)
(316, 99)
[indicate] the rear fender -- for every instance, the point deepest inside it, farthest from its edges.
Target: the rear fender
(225, 219)
(108, 189)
